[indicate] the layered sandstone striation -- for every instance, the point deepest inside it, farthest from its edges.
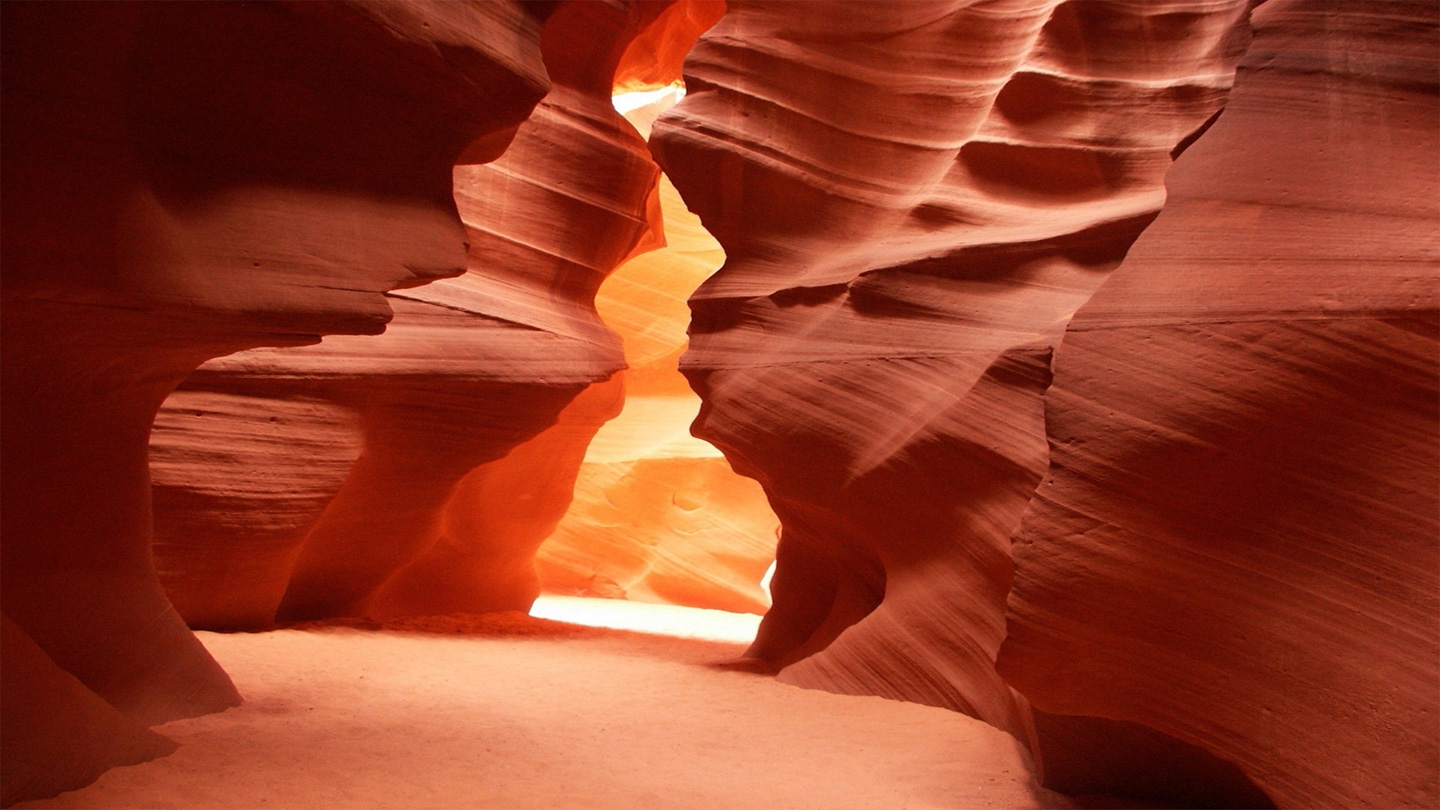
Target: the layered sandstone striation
(1225, 592)
(658, 515)
(913, 199)
(405, 489)
(1236, 542)
(182, 181)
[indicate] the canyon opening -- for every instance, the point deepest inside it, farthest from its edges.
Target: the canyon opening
(973, 403)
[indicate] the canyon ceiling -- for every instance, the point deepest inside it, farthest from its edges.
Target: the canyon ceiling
(1086, 351)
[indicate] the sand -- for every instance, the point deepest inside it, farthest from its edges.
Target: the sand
(518, 712)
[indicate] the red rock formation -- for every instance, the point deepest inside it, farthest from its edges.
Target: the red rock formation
(182, 181)
(654, 58)
(658, 515)
(238, 480)
(470, 369)
(913, 198)
(498, 514)
(1236, 544)
(59, 734)
(1230, 575)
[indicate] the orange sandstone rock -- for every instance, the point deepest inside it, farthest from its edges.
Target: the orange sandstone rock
(182, 181)
(654, 58)
(483, 558)
(466, 373)
(58, 733)
(1237, 540)
(658, 515)
(913, 198)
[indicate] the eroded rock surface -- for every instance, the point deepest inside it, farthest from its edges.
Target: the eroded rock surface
(658, 515)
(466, 373)
(1230, 578)
(1237, 540)
(913, 199)
(182, 181)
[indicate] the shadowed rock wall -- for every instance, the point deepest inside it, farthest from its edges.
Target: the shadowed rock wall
(468, 371)
(182, 181)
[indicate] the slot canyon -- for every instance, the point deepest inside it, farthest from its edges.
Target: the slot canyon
(950, 403)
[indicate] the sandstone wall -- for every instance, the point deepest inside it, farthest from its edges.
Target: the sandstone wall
(658, 515)
(182, 181)
(913, 199)
(1224, 592)
(1236, 542)
(251, 530)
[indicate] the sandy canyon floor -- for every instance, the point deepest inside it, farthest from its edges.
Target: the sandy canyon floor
(520, 712)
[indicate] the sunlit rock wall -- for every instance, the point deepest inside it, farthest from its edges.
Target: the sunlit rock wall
(1237, 540)
(182, 181)
(659, 516)
(656, 515)
(913, 199)
(256, 523)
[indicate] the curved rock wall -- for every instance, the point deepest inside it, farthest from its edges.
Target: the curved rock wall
(913, 199)
(658, 515)
(655, 58)
(497, 517)
(469, 370)
(1237, 540)
(1230, 577)
(182, 181)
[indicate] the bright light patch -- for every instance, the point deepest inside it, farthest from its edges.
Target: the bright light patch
(642, 107)
(765, 583)
(650, 427)
(644, 617)
(625, 102)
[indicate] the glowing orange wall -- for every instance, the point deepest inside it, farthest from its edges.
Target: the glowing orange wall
(658, 515)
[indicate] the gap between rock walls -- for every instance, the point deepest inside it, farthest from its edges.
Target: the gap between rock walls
(956, 340)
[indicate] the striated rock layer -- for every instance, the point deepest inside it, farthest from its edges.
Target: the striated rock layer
(913, 199)
(658, 515)
(182, 181)
(1237, 540)
(376, 506)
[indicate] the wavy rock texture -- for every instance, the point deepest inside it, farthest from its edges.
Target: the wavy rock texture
(182, 181)
(498, 514)
(913, 199)
(469, 370)
(654, 58)
(659, 516)
(1236, 543)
